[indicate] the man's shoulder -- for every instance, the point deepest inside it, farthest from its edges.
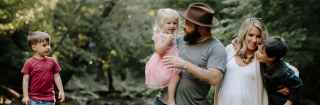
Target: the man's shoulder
(216, 43)
(179, 38)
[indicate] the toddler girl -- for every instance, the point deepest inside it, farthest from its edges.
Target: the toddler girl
(158, 75)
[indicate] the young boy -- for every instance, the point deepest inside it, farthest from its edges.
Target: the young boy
(40, 73)
(277, 74)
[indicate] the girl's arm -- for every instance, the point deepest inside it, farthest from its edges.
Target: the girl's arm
(161, 45)
(172, 89)
(25, 85)
(58, 82)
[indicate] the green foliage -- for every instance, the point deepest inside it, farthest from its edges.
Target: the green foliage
(12, 28)
(117, 33)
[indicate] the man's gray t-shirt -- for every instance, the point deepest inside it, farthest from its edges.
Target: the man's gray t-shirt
(208, 54)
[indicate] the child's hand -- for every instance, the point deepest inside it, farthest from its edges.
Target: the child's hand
(61, 96)
(170, 37)
(25, 100)
(288, 102)
(284, 91)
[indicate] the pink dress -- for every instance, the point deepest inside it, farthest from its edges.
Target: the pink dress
(157, 74)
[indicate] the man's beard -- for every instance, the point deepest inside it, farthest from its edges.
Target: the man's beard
(192, 37)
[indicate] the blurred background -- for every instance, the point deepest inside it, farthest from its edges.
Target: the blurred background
(102, 45)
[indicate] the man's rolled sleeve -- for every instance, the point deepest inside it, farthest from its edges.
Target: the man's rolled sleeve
(217, 59)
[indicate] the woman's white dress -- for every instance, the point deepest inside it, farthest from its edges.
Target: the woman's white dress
(242, 85)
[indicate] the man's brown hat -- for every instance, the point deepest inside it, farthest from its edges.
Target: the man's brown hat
(200, 14)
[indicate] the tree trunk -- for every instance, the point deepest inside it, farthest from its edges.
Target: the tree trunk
(100, 76)
(110, 80)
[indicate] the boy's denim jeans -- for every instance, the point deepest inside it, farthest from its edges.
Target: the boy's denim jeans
(36, 102)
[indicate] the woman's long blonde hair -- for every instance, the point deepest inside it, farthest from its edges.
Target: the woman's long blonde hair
(243, 32)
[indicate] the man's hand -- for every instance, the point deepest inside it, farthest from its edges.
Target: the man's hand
(61, 96)
(174, 61)
(26, 100)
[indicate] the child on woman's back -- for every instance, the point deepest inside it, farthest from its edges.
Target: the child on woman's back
(159, 76)
(278, 74)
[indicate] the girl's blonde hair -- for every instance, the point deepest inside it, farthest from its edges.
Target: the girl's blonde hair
(162, 16)
(243, 32)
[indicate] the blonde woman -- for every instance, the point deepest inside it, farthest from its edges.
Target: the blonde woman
(242, 82)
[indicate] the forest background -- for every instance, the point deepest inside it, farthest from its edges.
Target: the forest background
(102, 45)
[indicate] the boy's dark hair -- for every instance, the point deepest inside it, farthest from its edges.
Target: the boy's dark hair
(276, 47)
(37, 37)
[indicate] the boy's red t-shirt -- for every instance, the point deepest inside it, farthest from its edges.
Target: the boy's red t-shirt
(41, 82)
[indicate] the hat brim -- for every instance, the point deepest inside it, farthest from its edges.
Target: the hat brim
(214, 20)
